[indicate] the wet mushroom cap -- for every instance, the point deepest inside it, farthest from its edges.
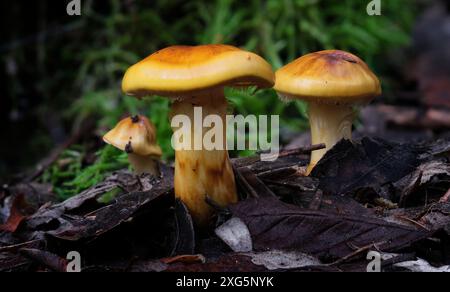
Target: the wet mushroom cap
(134, 135)
(180, 70)
(328, 76)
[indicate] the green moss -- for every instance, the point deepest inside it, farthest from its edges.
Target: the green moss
(69, 176)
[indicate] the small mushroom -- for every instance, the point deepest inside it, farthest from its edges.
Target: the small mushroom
(137, 136)
(195, 77)
(332, 82)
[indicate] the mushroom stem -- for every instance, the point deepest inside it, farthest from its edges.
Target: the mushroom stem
(144, 164)
(202, 173)
(329, 124)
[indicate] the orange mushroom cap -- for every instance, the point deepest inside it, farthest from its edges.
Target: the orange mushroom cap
(184, 69)
(134, 135)
(328, 76)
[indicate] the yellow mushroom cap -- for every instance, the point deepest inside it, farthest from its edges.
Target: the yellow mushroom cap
(185, 69)
(134, 135)
(328, 76)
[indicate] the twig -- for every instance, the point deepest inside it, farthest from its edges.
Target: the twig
(413, 222)
(47, 162)
(356, 253)
(446, 197)
(186, 259)
(242, 182)
(254, 185)
(289, 185)
(241, 162)
(15, 247)
(279, 171)
(298, 151)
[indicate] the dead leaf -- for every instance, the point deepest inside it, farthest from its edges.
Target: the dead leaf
(276, 225)
(236, 235)
(418, 180)
(184, 231)
(13, 262)
(433, 217)
(418, 265)
(369, 164)
(283, 260)
(16, 214)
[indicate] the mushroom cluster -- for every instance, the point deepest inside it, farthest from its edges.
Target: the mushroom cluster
(332, 82)
(195, 77)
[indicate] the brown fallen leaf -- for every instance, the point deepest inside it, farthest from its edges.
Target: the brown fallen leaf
(416, 181)
(327, 235)
(370, 163)
(187, 259)
(433, 217)
(16, 216)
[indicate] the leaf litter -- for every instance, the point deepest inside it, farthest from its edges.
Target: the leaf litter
(364, 195)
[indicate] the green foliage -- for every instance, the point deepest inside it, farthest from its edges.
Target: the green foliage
(69, 176)
(282, 30)
(279, 30)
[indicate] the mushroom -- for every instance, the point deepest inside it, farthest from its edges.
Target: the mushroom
(137, 136)
(333, 82)
(195, 76)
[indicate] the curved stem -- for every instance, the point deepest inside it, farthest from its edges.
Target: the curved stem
(201, 173)
(329, 124)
